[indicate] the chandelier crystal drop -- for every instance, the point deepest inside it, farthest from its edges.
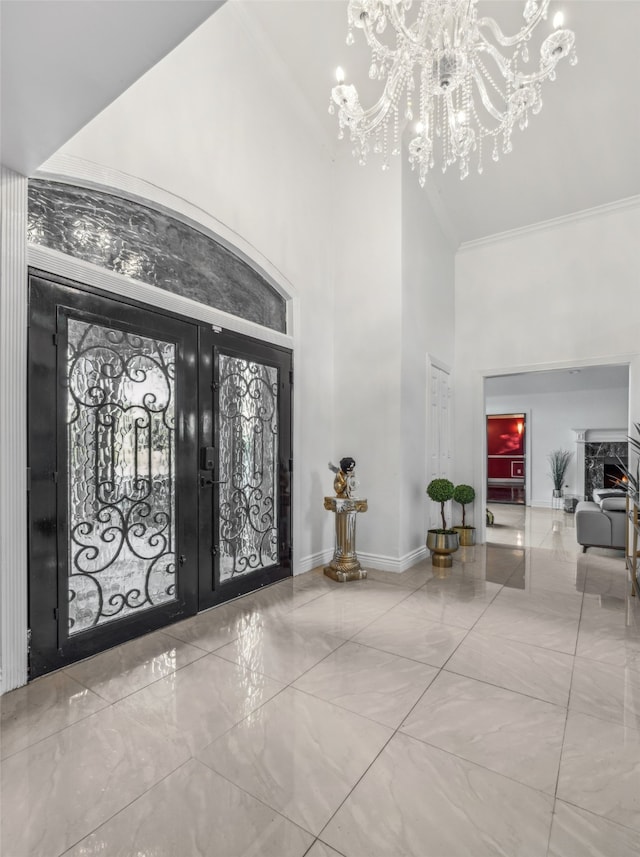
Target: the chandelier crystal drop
(451, 72)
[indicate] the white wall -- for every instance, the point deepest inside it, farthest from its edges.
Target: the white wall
(367, 252)
(563, 294)
(371, 272)
(427, 329)
(550, 420)
(204, 126)
(394, 305)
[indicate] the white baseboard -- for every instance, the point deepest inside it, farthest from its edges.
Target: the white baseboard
(367, 560)
(379, 562)
(388, 563)
(306, 563)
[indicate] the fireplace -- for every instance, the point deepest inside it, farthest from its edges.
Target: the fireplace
(602, 465)
(613, 474)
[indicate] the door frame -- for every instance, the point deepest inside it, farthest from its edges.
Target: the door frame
(234, 336)
(213, 341)
(57, 300)
(13, 323)
(433, 432)
(525, 455)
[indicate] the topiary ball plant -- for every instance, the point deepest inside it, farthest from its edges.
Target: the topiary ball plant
(440, 491)
(464, 494)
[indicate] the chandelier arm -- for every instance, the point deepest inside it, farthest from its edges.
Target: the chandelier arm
(519, 78)
(370, 118)
(398, 22)
(373, 41)
(501, 62)
(509, 41)
(376, 45)
(484, 96)
(383, 50)
(464, 20)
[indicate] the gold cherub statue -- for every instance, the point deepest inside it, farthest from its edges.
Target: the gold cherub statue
(344, 482)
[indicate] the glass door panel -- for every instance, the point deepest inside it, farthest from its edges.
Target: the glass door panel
(129, 529)
(245, 497)
(248, 456)
(121, 452)
(113, 506)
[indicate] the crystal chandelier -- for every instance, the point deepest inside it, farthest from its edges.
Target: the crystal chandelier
(451, 70)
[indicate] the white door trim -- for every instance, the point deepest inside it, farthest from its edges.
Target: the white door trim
(16, 256)
(13, 430)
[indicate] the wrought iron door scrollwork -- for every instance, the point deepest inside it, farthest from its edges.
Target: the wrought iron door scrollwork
(248, 466)
(121, 473)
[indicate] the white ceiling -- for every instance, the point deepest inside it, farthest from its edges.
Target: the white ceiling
(580, 152)
(63, 61)
(559, 381)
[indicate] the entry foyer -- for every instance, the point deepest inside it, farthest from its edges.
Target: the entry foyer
(495, 710)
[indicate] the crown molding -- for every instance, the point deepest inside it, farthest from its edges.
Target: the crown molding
(543, 225)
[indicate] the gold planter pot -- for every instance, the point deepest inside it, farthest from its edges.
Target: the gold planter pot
(466, 536)
(442, 545)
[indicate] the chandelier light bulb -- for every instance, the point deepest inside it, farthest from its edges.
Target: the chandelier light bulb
(457, 73)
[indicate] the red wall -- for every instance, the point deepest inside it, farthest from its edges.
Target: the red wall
(505, 439)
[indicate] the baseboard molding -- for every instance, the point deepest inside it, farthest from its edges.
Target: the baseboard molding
(367, 560)
(306, 563)
(388, 563)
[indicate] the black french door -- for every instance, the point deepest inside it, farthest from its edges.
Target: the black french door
(245, 476)
(159, 469)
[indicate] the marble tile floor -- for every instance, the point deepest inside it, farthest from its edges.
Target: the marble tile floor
(529, 526)
(491, 710)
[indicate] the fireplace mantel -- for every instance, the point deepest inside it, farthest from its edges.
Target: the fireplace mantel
(609, 435)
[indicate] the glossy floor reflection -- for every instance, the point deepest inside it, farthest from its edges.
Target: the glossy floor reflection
(491, 711)
(533, 527)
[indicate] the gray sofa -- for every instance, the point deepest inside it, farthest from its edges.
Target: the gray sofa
(602, 522)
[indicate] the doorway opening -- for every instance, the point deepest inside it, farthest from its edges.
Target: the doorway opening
(506, 461)
(160, 460)
(581, 409)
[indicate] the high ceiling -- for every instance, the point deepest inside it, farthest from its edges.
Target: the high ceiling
(579, 153)
(63, 61)
(590, 378)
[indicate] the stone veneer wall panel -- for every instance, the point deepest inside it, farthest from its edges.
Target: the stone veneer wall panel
(596, 455)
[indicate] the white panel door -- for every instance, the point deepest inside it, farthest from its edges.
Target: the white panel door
(439, 435)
